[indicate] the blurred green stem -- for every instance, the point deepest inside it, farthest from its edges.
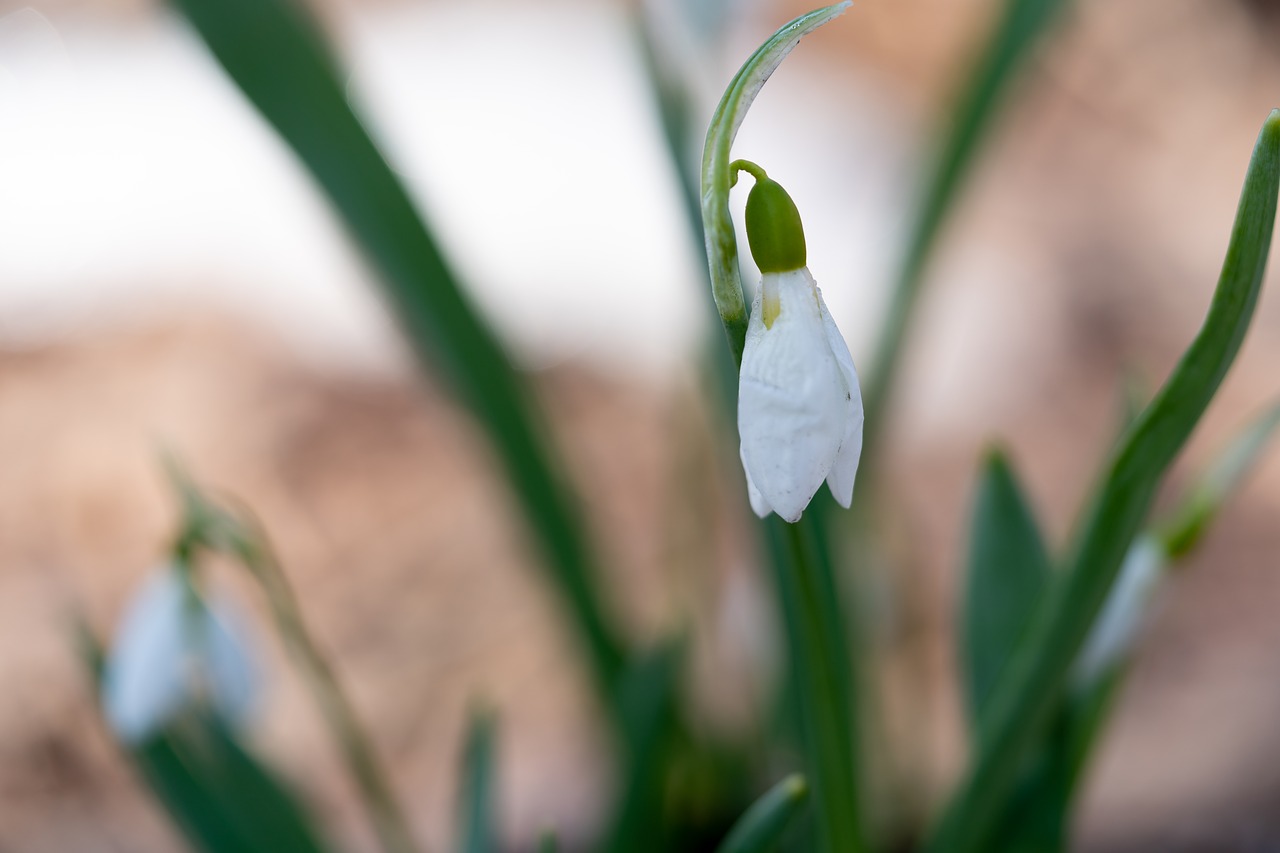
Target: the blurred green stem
(357, 750)
(822, 675)
(1018, 31)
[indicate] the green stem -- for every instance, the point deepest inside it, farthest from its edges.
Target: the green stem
(1023, 23)
(821, 673)
(353, 743)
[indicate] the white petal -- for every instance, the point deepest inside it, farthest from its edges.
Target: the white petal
(1116, 627)
(758, 504)
(229, 663)
(845, 470)
(793, 398)
(145, 681)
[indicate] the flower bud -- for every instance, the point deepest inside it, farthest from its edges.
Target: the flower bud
(774, 230)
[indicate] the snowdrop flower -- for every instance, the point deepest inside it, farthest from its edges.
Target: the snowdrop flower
(799, 404)
(1116, 626)
(174, 652)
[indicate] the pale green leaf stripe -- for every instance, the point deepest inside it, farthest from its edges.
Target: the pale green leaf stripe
(279, 62)
(479, 818)
(762, 826)
(1008, 569)
(722, 244)
(1026, 693)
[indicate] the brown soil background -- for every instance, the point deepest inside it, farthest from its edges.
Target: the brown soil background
(1104, 199)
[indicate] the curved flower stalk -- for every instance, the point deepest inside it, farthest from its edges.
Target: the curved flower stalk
(799, 404)
(717, 226)
(173, 653)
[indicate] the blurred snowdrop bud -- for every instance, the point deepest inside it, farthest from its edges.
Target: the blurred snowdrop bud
(174, 652)
(799, 404)
(1116, 627)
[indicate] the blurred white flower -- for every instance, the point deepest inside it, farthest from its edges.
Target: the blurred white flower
(799, 404)
(172, 652)
(1116, 626)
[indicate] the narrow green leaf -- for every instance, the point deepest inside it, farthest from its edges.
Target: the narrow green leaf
(762, 826)
(1008, 569)
(1025, 695)
(279, 62)
(219, 795)
(647, 706)
(722, 243)
(1020, 28)
(1038, 817)
(1044, 802)
(1190, 521)
(479, 815)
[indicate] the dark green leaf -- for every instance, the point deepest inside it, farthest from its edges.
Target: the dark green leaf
(219, 795)
(279, 62)
(647, 707)
(1008, 568)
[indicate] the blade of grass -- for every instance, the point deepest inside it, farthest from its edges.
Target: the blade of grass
(281, 65)
(1008, 568)
(1021, 26)
(479, 818)
(1025, 695)
(762, 826)
(647, 703)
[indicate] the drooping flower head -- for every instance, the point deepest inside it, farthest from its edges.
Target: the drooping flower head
(172, 652)
(799, 404)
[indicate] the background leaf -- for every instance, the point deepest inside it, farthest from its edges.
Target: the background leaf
(761, 828)
(220, 796)
(280, 64)
(479, 814)
(1024, 696)
(1008, 568)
